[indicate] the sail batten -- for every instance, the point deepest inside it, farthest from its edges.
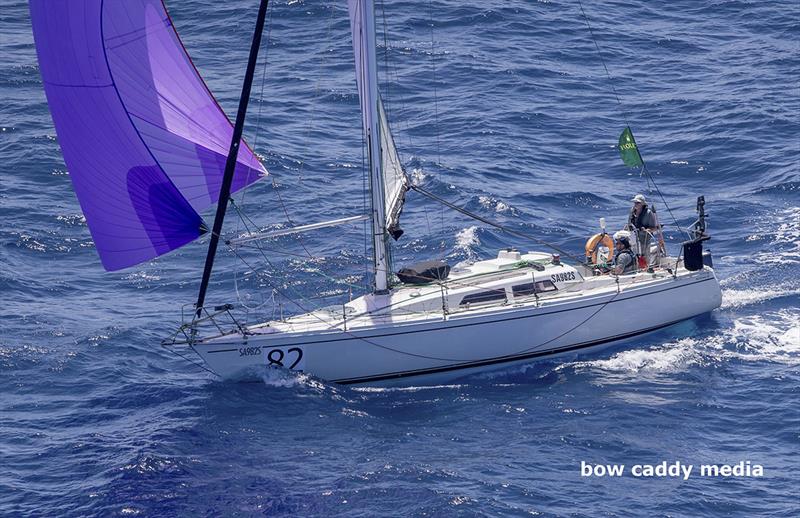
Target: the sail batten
(142, 136)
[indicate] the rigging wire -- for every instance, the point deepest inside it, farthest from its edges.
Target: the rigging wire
(644, 169)
(275, 289)
(186, 358)
(498, 226)
(309, 127)
(243, 218)
(435, 97)
(262, 251)
(257, 132)
(393, 75)
(365, 210)
(257, 129)
(387, 97)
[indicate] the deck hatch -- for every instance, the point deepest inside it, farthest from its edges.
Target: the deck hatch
(482, 297)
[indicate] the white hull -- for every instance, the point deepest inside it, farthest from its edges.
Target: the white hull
(397, 351)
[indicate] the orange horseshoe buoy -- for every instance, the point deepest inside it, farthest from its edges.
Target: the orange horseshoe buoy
(593, 245)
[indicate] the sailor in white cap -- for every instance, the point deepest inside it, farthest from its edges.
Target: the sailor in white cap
(641, 216)
(645, 222)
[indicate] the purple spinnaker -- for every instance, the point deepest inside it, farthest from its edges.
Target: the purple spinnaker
(144, 140)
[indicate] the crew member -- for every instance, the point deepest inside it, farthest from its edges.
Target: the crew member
(642, 217)
(644, 221)
(624, 260)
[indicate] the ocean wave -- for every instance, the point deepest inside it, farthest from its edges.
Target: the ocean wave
(467, 241)
(737, 298)
(502, 108)
(492, 203)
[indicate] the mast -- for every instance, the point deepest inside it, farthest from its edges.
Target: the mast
(233, 152)
(369, 70)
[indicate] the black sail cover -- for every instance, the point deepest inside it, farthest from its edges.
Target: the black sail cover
(424, 272)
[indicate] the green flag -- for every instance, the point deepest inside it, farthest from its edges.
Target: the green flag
(628, 150)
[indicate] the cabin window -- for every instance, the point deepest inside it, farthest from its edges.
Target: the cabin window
(483, 297)
(524, 290)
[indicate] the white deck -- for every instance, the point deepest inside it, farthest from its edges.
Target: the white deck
(408, 304)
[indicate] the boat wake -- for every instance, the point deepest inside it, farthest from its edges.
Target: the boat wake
(377, 390)
(281, 378)
(668, 358)
(734, 299)
(278, 378)
(773, 336)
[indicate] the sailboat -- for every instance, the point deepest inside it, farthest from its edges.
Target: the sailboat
(148, 149)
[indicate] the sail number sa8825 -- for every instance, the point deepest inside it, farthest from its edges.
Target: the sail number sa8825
(291, 358)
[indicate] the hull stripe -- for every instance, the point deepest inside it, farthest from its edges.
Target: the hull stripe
(502, 359)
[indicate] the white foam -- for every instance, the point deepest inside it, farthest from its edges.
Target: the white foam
(495, 204)
(466, 239)
(72, 219)
(773, 336)
(405, 389)
(788, 232)
(417, 176)
(732, 298)
(351, 412)
(287, 379)
(141, 277)
(672, 357)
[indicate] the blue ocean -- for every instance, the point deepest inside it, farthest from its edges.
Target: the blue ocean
(504, 108)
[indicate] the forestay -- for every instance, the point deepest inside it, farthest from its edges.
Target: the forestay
(144, 140)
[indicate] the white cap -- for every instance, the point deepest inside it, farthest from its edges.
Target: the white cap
(639, 198)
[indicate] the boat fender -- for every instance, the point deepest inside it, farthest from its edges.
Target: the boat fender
(595, 244)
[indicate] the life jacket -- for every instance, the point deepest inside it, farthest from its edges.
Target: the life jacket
(631, 266)
(644, 219)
